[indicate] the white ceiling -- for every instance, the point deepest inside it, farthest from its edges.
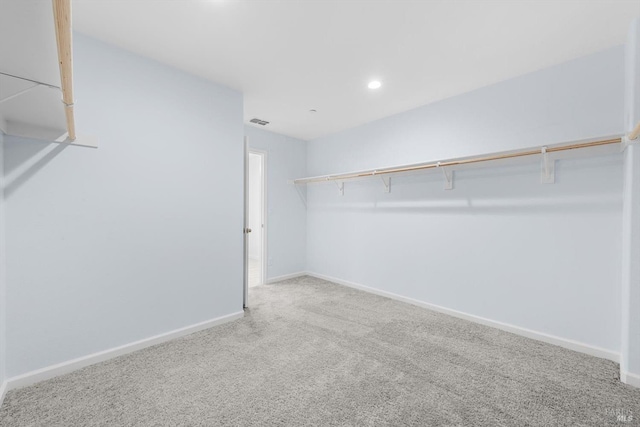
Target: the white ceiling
(291, 56)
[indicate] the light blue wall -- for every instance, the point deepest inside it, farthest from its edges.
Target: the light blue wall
(630, 351)
(286, 213)
(575, 100)
(500, 245)
(3, 299)
(136, 238)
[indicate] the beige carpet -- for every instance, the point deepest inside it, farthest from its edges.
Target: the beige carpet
(311, 353)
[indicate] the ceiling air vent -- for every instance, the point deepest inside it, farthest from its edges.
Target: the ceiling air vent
(259, 122)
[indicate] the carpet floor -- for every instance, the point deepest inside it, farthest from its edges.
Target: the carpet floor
(312, 353)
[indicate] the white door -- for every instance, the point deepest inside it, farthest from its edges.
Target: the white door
(245, 229)
(256, 223)
(254, 220)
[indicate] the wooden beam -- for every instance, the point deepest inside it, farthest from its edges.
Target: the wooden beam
(635, 133)
(62, 18)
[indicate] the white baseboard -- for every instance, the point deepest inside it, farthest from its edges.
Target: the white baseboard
(3, 391)
(287, 276)
(629, 378)
(75, 364)
(540, 336)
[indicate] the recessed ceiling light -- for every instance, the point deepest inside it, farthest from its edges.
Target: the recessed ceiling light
(313, 111)
(374, 84)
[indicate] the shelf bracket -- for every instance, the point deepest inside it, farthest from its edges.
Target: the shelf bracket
(448, 177)
(625, 142)
(548, 170)
(302, 194)
(340, 185)
(387, 184)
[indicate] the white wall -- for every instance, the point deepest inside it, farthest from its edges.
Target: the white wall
(286, 213)
(136, 238)
(500, 245)
(255, 205)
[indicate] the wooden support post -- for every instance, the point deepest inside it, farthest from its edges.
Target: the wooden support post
(62, 19)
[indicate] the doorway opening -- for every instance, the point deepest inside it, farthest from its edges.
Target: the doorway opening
(256, 244)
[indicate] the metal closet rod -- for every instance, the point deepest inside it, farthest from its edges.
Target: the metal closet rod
(530, 152)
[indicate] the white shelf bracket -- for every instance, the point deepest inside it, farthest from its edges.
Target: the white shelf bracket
(302, 194)
(627, 142)
(624, 143)
(448, 177)
(340, 185)
(548, 170)
(387, 184)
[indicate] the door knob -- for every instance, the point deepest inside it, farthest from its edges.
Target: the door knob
(247, 230)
